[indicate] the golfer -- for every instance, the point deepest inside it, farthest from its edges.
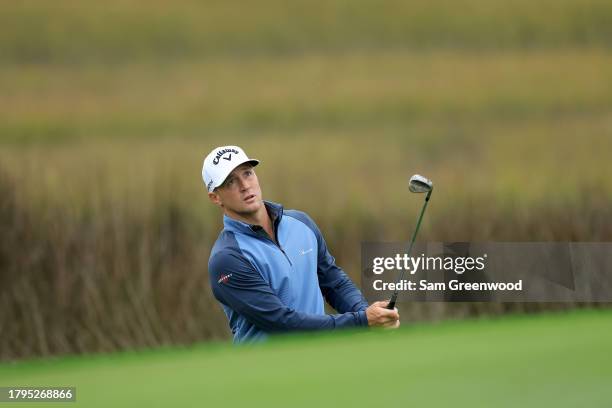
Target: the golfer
(270, 268)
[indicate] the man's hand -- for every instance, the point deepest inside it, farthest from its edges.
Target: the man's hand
(379, 316)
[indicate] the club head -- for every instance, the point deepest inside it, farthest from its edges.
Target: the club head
(420, 184)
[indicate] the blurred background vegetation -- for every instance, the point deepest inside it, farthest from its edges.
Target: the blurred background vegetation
(107, 110)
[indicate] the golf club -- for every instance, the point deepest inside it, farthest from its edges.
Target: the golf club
(418, 184)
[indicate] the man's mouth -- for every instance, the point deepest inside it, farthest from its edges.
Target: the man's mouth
(250, 197)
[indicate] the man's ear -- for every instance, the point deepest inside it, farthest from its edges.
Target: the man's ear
(214, 197)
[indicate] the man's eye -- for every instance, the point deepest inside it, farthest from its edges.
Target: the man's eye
(248, 173)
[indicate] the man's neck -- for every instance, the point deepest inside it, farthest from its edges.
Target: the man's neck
(261, 218)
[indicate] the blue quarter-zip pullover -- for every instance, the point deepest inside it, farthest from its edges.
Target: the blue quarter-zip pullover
(266, 286)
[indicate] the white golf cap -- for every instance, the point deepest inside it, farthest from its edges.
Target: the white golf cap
(220, 162)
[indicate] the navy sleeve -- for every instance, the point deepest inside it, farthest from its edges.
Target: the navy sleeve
(238, 285)
(337, 288)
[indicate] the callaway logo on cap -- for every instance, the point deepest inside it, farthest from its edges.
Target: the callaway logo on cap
(220, 162)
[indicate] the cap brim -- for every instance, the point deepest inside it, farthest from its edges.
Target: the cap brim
(253, 162)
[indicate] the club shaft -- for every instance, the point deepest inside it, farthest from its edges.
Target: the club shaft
(391, 304)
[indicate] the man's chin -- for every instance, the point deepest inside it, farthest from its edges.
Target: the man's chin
(250, 208)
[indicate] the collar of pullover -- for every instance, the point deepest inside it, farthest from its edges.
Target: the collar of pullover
(275, 211)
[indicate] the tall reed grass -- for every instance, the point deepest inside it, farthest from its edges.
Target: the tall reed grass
(107, 110)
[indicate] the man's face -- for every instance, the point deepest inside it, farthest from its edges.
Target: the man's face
(240, 192)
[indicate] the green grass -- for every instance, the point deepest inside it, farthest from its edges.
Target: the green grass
(65, 31)
(350, 92)
(560, 360)
(497, 118)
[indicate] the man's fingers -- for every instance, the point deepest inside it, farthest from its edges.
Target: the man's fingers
(393, 325)
(385, 316)
(379, 315)
(390, 320)
(389, 314)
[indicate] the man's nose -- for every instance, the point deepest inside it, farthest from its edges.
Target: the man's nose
(243, 184)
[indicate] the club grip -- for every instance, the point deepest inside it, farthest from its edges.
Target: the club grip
(391, 305)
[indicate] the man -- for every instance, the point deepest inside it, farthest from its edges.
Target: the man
(270, 268)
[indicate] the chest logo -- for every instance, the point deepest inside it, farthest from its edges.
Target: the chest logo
(304, 252)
